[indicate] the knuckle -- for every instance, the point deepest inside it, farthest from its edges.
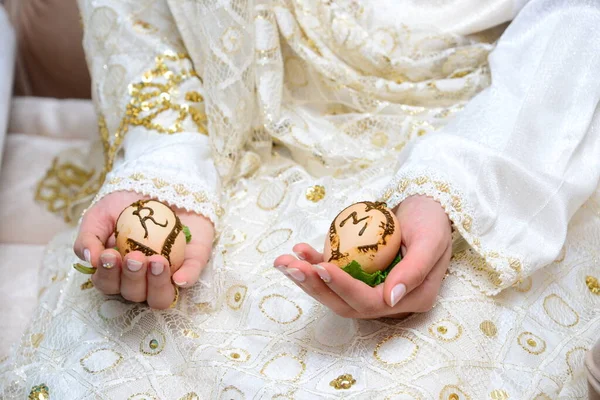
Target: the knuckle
(133, 296)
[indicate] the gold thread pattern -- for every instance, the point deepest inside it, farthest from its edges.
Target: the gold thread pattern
(270, 297)
(87, 285)
(488, 328)
(531, 343)
(498, 394)
(90, 354)
(556, 298)
(453, 392)
(411, 356)
(282, 355)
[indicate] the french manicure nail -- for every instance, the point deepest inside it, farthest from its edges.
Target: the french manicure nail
(108, 260)
(156, 268)
(323, 274)
(300, 256)
(180, 283)
(134, 265)
(397, 293)
(280, 268)
(87, 255)
(296, 274)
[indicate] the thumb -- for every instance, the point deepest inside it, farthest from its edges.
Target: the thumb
(96, 227)
(409, 273)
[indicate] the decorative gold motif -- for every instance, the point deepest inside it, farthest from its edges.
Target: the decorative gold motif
(153, 343)
(488, 328)
(36, 339)
(82, 361)
(403, 335)
(592, 284)
(39, 392)
(67, 184)
(499, 394)
(273, 240)
(190, 334)
(87, 285)
(235, 296)
(343, 382)
(61, 185)
(231, 40)
(441, 328)
(272, 297)
(238, 355)
(531, 343)
(282, 355)
(176, 299)
(315, 193)
(453, 392)
(572, 366)
(556, 301)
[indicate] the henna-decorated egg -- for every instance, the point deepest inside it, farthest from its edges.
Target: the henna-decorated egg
(365, 232)
(151, 227)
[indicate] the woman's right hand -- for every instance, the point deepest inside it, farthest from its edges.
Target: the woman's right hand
(137, 277)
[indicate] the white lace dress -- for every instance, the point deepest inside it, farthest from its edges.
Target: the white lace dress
(270, 117)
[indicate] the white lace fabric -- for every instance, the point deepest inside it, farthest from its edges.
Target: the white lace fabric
(348, 107)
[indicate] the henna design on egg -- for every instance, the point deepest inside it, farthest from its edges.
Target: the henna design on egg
(388, 228)
(140, 206)
(170, 240)
(133, 245)
(355, 221)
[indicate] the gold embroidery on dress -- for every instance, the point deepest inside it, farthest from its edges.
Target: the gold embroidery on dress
(151, 98)
(592, 284)
(89, 369)
(345, 381)
(39, 392)
(315, 193)
(278, 303)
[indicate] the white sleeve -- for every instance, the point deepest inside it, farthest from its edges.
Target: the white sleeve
(524, 155)
(151, 105)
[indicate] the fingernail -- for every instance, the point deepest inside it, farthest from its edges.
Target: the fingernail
(180, 283)
(156, 268)
(280, 268)
(300, 256)
(108, 260)
(322, 273)
(87, 255)
(403, 250)
(134, 265)
(296, 274)
(397, 293)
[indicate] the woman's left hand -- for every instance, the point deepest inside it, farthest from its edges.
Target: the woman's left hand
(411, 286)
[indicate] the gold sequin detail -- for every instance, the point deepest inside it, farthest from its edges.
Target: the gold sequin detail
(39, 392)
(36, 339)
(453, 396)
(87, 285)
(315, 193)
(190, 334)
(498, 395)
(237, 297)
(344, 381)
(592, 284)
(531, 342)
(442, 329)
(235, 355)
(488, 328)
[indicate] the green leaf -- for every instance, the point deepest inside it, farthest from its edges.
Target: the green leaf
(374, 279)
(83, 269)
(188, 234)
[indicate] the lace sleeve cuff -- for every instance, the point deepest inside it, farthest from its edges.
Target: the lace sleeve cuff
(490, 269)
